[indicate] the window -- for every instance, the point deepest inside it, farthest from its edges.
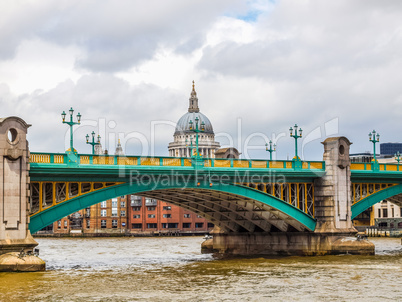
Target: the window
(88, 223)
(169, 225)
(151, 215)
(385, 213)
(103, 204)
(199, 216)
(136, 225)
(103, 213)
(114, 223)
(122, 204)
(122, 197)
(103, 224)
(123, 213)
(151, 225)
(167, 208)
(136, 216)
(186, 225)
(187, 215)
(150, 202)
(136, 201)
(382, 224)
(114, 203)
(114, 212)
(393, 212)
(65, 224)
(167, 215)
(59, 224)
(210, 225)
(151, 208)
(135, 209)
(135, 197)
(199, 225)
(379, 213)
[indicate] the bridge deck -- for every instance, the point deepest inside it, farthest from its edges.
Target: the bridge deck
(55, 179)
(89, 159)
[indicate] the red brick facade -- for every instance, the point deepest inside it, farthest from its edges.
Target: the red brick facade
(132, 215)
(149, 216)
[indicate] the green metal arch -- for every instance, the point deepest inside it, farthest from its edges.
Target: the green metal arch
(63, 209)
(371, 200)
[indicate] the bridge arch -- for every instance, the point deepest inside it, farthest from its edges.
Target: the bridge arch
(372, 199)
(232, 207)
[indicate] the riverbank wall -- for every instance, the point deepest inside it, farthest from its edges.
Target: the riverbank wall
(128, 234)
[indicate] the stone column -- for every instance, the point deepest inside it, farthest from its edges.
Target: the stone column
(16, 242)
(333, 201)
(332, 191)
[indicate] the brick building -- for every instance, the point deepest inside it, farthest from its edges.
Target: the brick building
(106, 217)
(153, 216)
(132, 215)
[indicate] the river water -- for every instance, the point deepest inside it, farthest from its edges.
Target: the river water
(173, 269)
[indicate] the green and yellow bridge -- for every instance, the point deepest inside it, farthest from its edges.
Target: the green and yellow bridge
(236, 195)
(259, 206)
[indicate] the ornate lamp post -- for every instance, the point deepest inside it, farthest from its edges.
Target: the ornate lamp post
(93, 143)
(374, 138)
(198, 161)
(71, 124)
(398, 157)
(191, 147)
(296, 136)
(270, 150)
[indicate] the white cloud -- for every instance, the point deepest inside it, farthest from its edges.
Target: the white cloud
(317, 61)
(272, 64)
(114, 35)
(39, 65)
(100, 99)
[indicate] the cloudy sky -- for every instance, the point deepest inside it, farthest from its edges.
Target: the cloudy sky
(332, 67)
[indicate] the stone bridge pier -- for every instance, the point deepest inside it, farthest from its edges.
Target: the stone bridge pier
(16, 242)
(334, 232)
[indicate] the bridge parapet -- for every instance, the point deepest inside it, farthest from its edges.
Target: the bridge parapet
(370, 167)
(89, 159)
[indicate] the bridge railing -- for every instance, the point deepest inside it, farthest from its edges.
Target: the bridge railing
(89, 159)
(369, 167)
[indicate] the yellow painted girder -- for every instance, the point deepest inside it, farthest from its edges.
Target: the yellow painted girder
(67, 191)
(358, 193)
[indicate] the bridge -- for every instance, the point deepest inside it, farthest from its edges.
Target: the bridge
(59, 188)
(258, 206)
